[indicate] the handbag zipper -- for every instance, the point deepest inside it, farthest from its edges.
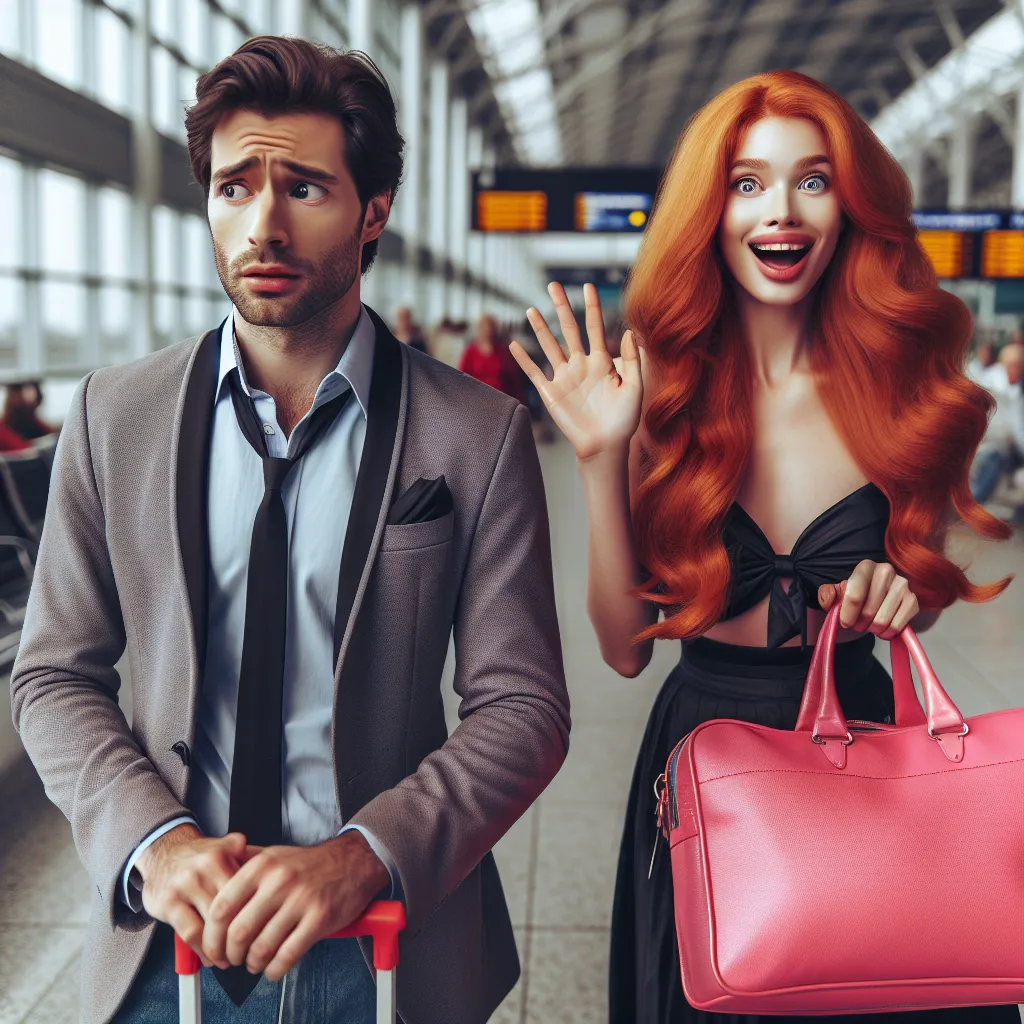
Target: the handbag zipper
(666, 812)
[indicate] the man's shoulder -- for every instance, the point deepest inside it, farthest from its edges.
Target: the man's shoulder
(158, 371)
(435, 387)
(149, 384)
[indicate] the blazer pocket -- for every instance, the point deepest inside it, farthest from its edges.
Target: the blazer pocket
(408, 536)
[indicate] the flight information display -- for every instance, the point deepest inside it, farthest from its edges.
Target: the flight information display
(586, 199)
(951, 252)
(1002, 254)
(612, 211)
(973, 243)
(512, 211)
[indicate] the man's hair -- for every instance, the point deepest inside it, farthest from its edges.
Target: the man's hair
(283, 75)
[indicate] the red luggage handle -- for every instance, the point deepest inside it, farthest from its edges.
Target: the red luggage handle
(382, 920)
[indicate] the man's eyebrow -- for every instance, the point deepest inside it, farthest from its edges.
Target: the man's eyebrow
(303, 170)
(232, 170)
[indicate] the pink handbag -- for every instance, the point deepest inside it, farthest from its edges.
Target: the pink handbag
(850, 867)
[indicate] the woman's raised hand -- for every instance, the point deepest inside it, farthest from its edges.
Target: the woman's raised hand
(594, 400)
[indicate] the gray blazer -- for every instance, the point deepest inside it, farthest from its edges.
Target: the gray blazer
(123, 562)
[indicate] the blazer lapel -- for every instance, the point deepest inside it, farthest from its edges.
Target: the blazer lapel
(192, 480)
(374, 482)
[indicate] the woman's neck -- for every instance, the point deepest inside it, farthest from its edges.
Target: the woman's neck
(777, 336)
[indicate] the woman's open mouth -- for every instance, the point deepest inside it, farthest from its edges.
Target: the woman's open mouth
(781, 261)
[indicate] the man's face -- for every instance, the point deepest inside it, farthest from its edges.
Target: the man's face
(286, 220)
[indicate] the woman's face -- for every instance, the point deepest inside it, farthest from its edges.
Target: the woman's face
(781, 220)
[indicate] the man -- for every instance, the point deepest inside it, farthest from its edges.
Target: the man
(283, 522)
(1003, 443)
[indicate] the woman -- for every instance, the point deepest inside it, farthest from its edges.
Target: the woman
(485, 359)
(800, 391)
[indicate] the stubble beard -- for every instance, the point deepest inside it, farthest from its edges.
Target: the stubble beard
(323, 284)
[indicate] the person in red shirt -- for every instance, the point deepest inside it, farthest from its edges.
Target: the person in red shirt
(486, 359)
(10, 441)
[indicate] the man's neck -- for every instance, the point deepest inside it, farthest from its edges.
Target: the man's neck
(289, 363)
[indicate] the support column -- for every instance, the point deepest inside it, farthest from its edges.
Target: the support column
(914, 168)
(360, 25)
(474, 239)
(409, 205)
(146, 188)
(438, 226)
(1017, 186)
(961, 162)
(459, 199)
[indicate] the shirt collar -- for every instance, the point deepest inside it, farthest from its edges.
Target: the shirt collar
(355, 366)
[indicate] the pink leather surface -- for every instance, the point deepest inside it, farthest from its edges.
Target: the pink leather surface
(894, 882)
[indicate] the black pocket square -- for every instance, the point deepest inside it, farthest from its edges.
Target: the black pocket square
(423, 501)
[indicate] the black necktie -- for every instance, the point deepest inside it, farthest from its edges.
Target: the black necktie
(255, 807)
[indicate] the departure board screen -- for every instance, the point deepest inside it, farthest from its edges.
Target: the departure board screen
(1002, 254)
(582, 199)
(512, 211)
(612, 211)
(951, 252)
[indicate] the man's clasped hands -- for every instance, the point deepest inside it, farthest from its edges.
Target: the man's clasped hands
(259, 906)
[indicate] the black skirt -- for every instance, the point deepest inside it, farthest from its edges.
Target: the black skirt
(753, 684)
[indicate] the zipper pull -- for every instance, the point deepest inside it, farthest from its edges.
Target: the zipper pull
(662, 797)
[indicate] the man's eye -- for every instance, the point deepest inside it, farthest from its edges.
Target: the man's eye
(233, 191)
(307, 190)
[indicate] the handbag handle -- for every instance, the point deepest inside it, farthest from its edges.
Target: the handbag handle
(908, 707)
(822, 715)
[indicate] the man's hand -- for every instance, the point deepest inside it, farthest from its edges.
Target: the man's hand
(286, 898)
(182, 872)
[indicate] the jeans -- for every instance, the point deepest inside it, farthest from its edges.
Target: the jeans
(988, 468)
(331, 984)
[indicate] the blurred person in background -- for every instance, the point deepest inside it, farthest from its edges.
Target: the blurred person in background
(408, 331)
(1002, 447)
(979, 367)
(21, 410)
(486, 358)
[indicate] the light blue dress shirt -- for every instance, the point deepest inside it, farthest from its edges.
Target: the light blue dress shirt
(317, 497)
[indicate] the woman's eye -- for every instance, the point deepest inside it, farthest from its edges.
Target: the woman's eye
(816, 183)
(745, 186)
(233, 191)
(307, 190)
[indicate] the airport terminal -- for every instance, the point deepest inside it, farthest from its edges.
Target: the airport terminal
(540, 138)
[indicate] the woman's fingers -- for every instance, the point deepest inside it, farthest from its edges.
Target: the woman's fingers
(556, 357)
(595, 319)
(528, 366)
(908, 608)
(566, 317)
(878, 605)
(856, 593)
(630, 368)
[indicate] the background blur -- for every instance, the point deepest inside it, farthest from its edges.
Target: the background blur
(536, 132)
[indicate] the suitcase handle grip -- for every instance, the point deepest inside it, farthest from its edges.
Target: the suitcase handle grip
(382, 921)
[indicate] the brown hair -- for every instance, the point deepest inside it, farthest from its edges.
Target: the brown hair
(280, 74)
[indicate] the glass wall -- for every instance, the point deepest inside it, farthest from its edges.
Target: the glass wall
(73, 274)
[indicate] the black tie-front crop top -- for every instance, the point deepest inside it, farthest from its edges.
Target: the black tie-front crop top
(827, 551)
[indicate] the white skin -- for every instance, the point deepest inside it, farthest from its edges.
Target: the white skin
(798, 466)
(235, 903)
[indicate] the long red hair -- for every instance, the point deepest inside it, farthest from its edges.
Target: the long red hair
(888, 352)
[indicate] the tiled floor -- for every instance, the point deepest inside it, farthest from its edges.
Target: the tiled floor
(560, 900)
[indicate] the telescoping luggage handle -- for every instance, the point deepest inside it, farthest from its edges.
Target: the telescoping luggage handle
(383, 921)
